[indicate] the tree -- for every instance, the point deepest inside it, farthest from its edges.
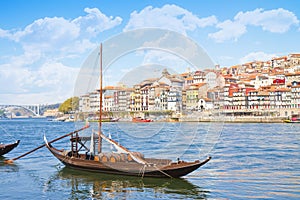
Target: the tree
(69, 105)
(2, 113)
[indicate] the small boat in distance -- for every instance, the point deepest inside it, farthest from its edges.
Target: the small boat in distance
(5, 148)
(104, 119)
(139, 119)
(121, 162)
(293, 119)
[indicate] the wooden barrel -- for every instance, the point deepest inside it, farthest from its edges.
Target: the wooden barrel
(114, 158)
(96, 158)
(129, 158)
(103, 157)
(123, 157)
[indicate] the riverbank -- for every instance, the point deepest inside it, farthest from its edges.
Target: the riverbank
(241, 119)
(187, 117)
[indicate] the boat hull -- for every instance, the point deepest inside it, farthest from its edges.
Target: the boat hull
(171, 170)
(295, 118)
(105, 120)
(291, 121)
(5, 148)
(138, 119)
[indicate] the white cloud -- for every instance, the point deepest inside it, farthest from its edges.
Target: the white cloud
(28, 58)
(229, 30)
(275, 21)
(96, 22)
(39, 72)
(4, 33)
(54, 75)
(257, 56)
(57, 33)
(33, 86)
(170, 17)
(48, 31)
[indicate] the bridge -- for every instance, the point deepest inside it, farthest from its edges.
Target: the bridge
(34, 109)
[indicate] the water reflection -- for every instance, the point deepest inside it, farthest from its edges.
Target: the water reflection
(85, 185)
(7, 168)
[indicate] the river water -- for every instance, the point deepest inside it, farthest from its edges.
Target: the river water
(249, 161)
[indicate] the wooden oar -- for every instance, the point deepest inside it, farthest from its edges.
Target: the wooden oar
(29, 152)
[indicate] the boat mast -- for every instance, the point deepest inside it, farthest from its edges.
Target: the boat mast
(100, 110)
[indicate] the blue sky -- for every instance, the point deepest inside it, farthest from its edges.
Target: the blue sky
(44, 43)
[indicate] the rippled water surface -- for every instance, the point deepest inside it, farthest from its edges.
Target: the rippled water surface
(249, 161)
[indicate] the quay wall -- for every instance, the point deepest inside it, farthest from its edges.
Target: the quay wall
(194, 117)
(256, 119)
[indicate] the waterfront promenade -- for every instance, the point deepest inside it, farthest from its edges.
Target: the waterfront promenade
(195, 116)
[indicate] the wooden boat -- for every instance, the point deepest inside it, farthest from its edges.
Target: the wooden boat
(139, 119)
(122, 162)
(293, 119)
(5, 148)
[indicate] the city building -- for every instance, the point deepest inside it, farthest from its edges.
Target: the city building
(255, 88)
